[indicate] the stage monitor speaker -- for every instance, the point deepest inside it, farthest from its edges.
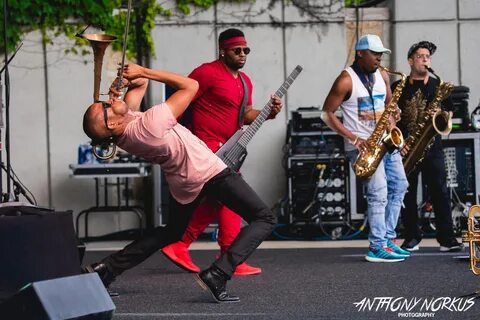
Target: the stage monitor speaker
(75, 297)
(35, 244)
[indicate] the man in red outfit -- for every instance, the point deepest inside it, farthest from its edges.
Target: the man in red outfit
(216, 116)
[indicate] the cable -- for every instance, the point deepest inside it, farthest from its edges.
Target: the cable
(18, 183)
(282, 237)
(24, 187)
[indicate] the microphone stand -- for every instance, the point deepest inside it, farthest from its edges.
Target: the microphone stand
(7, 98)
(5, 197)
(8, 196)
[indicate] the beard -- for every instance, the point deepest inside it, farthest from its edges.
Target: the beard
(234, 66)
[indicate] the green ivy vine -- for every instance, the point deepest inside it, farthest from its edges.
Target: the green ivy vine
(68, 17)
(352, 3)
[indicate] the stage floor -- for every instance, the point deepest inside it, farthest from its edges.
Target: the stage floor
(302, 280)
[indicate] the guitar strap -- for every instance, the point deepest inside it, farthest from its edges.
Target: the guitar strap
(243, 106)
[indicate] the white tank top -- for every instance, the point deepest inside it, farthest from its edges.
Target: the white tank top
(361, 112)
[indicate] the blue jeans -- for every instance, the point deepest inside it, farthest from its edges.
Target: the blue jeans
(386, 189)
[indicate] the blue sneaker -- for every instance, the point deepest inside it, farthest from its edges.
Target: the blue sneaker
(382, 255)
(396, 249)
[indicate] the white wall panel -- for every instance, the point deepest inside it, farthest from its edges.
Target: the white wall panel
(415, 10)
(315, 10)
(469, 9)
(249, 12)
(470, 47)
(321, 50)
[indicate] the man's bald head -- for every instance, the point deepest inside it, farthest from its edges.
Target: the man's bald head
(94, 123)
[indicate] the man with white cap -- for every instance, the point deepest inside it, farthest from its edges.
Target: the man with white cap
(362, 91)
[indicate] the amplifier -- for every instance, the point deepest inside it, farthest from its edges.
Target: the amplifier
(460, 167)
(318, 189)
(308, 119)
(461, 116)
(315, 143)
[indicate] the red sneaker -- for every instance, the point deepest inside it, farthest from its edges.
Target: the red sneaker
(177, 252)
(244, 269)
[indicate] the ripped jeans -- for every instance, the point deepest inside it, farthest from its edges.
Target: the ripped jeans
(386, 189)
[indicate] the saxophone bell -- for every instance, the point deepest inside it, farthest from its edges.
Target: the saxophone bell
(393, 140)
(442, 122)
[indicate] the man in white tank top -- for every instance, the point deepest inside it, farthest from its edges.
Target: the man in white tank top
(361, 91)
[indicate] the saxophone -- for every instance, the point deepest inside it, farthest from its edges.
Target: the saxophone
(382, 138)
(432, 121)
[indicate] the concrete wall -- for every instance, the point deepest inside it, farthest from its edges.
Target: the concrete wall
(46, 119)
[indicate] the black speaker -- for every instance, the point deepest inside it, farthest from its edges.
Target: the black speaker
(35, 244)
(76, 297)
(318, 187)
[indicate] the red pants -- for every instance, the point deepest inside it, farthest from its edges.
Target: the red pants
(228, 224)
(228, 221)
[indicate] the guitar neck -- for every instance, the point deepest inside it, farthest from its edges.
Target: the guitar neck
(265, 112)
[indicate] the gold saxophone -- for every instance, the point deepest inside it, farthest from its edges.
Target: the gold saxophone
(383, 138)
(472, 236)
(424, 125)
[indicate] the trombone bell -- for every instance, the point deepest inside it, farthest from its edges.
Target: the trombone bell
(99, 43)
(472, 236)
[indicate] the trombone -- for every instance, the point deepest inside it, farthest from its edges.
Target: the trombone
(99, 43)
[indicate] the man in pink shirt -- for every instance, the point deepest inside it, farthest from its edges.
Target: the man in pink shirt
(221, 106)
(192, 170)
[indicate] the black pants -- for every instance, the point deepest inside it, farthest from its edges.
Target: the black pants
(434, 177)
(230, 190)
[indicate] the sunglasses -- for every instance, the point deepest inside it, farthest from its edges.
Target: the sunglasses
(237, 51)
(105, 114)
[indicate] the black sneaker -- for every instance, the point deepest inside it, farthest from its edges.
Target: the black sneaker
(451, 245)
(214, 280)
(104, 273)
(411, 244)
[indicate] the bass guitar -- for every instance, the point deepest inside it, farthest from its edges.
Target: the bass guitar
(234, 151)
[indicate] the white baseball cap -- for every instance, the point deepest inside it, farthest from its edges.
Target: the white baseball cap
(371, 42)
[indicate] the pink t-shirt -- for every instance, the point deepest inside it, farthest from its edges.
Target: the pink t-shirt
(186, 161)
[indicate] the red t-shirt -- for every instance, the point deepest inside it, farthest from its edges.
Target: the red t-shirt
(216, 105)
